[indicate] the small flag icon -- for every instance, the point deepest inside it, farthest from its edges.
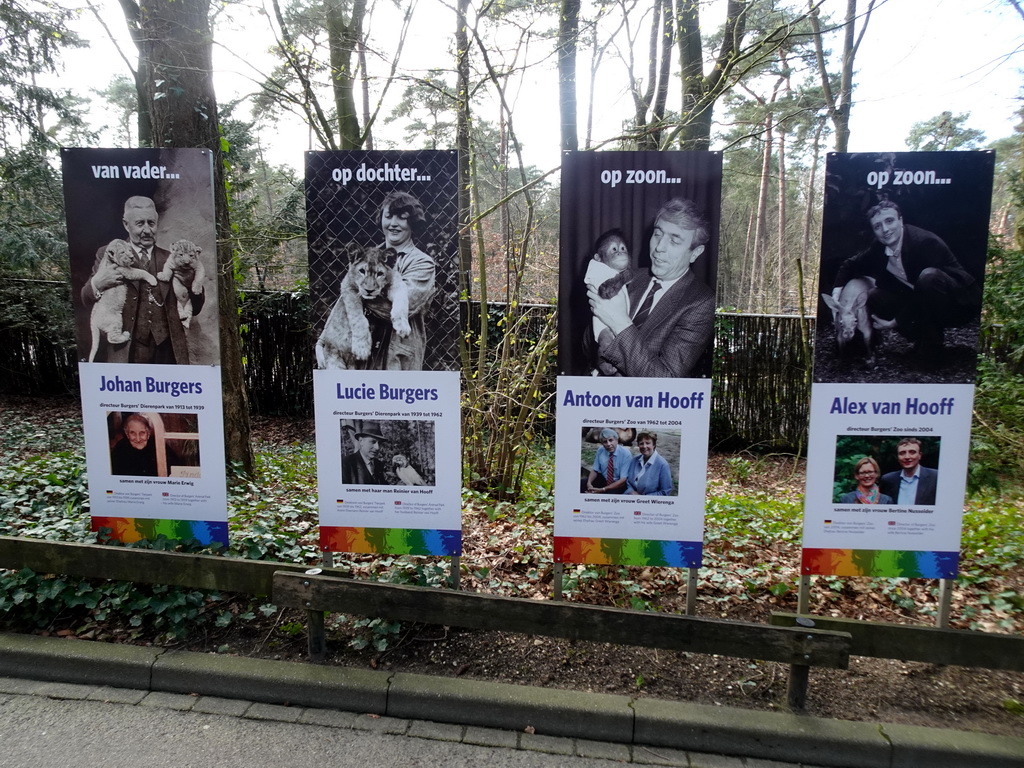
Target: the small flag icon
(575, 511)
(398, 503)
(636, 512)
(165, 493)
(341, 501)
(828, 522)
(892, 522)
(110, 493)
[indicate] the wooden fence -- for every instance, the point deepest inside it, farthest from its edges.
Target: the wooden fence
(329, 590)
(800, 642)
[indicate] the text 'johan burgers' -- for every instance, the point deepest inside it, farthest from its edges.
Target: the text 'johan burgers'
(150, 384)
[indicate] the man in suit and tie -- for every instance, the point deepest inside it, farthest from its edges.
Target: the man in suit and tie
(668, 321)
(150, 312)
(363, 467)
(912, 484)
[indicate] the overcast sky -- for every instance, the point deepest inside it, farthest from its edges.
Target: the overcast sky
(919, 57)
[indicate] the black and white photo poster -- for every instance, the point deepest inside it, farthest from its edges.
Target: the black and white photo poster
(639, 259)
(383, 265)
(383, 259)
(143, 255)
(904, 243)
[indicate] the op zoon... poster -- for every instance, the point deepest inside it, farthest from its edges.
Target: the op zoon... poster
(904, 243)
(639, 258)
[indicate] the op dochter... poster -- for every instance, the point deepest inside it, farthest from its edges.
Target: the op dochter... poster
(382, 230)
(639, 244)
(904, 241)
(143, 255)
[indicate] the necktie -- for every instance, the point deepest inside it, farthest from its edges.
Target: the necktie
(611, 468)
(645, 309)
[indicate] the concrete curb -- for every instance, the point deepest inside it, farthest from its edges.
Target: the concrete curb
(553, 712)
(752, 733)
(81, 661)
(597, 717)
(272, 682)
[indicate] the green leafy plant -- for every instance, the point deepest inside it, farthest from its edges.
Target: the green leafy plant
(105, 610)
(739, 468)
(374, 633)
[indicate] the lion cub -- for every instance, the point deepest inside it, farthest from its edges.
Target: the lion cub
(345, 341)
(107, 313)
(185, 272)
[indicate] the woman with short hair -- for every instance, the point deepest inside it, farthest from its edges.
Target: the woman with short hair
(649, 473)
(866, 473)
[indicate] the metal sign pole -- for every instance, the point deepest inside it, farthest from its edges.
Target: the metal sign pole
(454, 572)
(945, 602)
(691, 591)
(557, 572)
(803, 600)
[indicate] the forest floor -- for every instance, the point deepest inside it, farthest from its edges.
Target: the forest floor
(751, 566)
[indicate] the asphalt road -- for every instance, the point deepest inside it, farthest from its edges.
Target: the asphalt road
(43, 732)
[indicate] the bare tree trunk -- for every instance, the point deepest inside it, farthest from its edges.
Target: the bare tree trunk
(141, 72)
(462, 144)
(780, 284)
(344, 37)
(364, 82)
(642, 100)
(700, 92)
(176, 48)
(664, 71)
(801, 262)
(595, 63)
(506, 224)
(809, 211)
(742, 299)
(568, 34)
(781, 281)
(757, 270)
(838, 106)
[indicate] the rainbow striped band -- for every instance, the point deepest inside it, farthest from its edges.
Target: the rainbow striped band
(880, 562)
(578, 549)
(128, 530)
(391, 541)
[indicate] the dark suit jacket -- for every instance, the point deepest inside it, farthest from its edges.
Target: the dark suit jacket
(926, 484)
(920, 250)
(675, 336)
(355, 472)
(108, 353)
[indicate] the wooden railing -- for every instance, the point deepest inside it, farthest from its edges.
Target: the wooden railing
(329, 590)
(800, 641)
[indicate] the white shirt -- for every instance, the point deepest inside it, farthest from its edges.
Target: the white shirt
(665, 285)
(895, 265)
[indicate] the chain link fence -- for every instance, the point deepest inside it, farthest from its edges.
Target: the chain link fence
(345, 192)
